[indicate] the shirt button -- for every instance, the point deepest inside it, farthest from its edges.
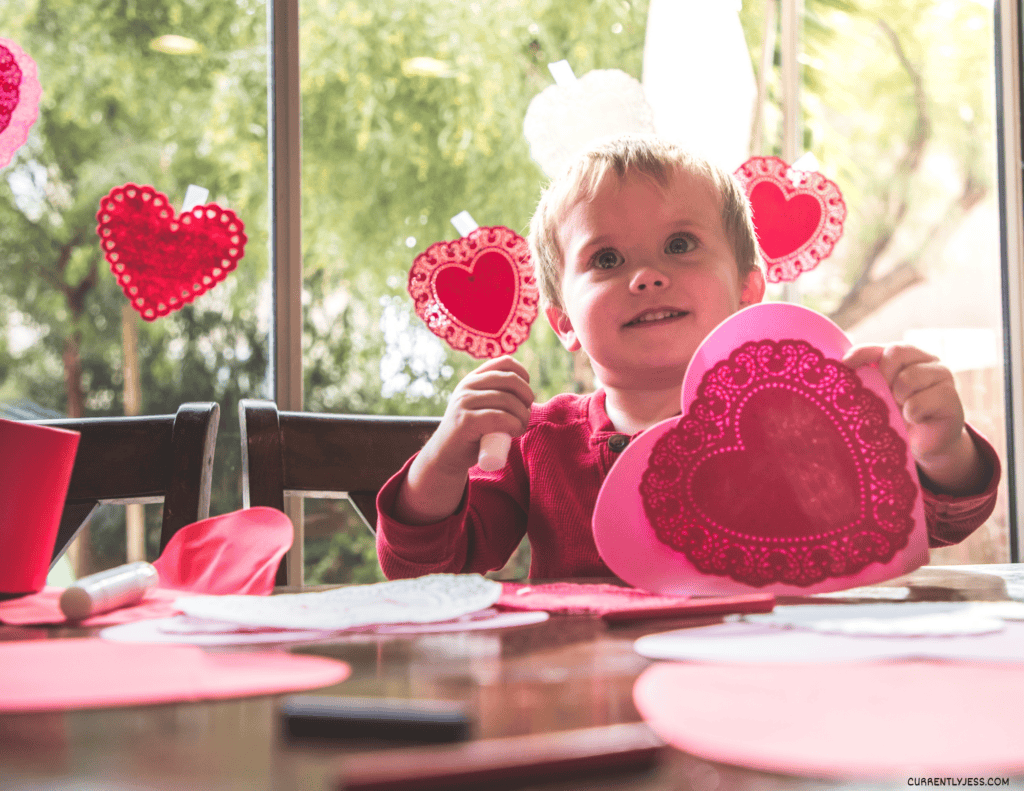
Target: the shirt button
(617, 443)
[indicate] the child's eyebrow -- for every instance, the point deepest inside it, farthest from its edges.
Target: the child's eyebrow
(607, 240)
(604, 240)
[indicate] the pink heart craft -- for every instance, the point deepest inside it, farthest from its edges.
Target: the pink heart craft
(163, 261)
(19, 98)
(477, 293)
(786, 471)
(798, 215)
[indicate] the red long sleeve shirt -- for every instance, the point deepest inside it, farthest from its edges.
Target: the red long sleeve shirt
(547, 490)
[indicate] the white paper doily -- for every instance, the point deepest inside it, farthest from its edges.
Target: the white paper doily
(428, 599)
(909, 619)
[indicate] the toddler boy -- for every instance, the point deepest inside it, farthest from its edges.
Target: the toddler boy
(641, 249)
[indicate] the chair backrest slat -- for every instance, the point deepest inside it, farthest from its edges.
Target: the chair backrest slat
(321, 452)
(139, 459)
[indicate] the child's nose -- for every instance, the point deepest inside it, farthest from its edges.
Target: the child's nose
(647, 278)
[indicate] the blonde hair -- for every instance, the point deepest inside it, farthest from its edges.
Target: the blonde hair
(653, 157)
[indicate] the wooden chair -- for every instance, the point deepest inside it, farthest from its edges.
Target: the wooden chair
(323, 455)
(145, 459)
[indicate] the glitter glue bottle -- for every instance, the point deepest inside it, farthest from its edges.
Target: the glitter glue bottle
(108, 590)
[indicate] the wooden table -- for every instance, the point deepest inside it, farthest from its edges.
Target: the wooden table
(571, 672)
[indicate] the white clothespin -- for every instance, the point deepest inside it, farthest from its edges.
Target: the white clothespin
(562, 72)
(494, 446)
(798, 171)
(194, 196)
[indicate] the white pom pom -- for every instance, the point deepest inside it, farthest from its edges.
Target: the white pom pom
(562, 120)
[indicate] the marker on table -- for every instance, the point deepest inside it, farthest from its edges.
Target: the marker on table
(494, 447)
(333, 717)
(545, 758)
(108, 590)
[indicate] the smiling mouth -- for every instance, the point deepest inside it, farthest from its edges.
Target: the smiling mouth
(656, 315)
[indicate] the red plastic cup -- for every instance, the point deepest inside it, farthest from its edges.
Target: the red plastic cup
(35, 470)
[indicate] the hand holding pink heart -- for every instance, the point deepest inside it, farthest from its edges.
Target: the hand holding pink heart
(786, 471)
(19, 98)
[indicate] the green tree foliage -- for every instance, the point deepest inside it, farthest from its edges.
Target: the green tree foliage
(412, 112)
(115, 109)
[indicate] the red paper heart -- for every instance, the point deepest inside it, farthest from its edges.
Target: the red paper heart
(478, 293)
(797, 224)
(163, 261)
(784, 470)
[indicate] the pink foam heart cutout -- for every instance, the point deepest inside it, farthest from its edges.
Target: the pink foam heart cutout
(786, 471)
(477, 293)
(798, 215)
(841, 720)
(19, 98)
(162, 260)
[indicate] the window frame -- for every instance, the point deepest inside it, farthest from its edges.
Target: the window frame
(285, 164)
(1009, 105)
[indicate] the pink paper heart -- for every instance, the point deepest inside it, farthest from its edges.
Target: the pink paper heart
(19, 98)
(163, 261)
(783, 470)
(233, 553)
(786, 471)
(477, 293)
(797, 224)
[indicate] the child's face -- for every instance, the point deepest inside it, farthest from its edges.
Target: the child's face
(649, 272)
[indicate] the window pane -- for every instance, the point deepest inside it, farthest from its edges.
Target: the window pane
(898, 108)
(412, 111)
(164, 93)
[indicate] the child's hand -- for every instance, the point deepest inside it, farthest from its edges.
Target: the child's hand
(496, 397)
(926, 394)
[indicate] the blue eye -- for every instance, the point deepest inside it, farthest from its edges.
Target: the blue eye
(606, 259)
(680, 244)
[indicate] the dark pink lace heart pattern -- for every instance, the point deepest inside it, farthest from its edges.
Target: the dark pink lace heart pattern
(10, 86)
(784, 470)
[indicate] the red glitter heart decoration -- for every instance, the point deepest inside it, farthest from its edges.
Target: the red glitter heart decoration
(19, 98)
(477, 293)
(798, 215)
(163, 261)
(784, 469)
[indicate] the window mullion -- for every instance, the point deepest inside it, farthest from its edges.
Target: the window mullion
(1009, 81)
(286, 232)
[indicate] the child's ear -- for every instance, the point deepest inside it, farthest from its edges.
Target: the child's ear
(753, 288)
(560, 323)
